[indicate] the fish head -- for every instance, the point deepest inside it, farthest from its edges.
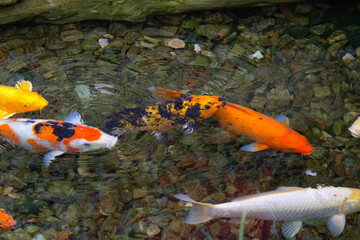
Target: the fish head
(352, 203)
(6, 221)
(29, 101)
(296, 143)
(209, 105)
(86, 143)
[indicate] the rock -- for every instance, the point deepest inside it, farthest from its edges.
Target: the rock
(152, 230)
(322, 91)
(71, 35)
(139, 193)
(32, 229)
(357, 52)
(64, 11)
(90, 45)
(39, 236)
(165, 31)
(318, 29)
(175, 43)
(212, 31)
(7, 2)
(298, 32)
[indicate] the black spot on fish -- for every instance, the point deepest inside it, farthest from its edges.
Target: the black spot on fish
(30, 121)
(260, 118)
(62, 130)
(37, 127)
(193, 112)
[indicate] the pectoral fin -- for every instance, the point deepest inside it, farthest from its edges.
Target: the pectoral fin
(283, 120)
(24, 85)
(51, 156)
(254, 147)
(188, 127)
(4, 114)
(289, 229)
(336, 224)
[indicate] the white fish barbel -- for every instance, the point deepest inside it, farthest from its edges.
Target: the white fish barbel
(292, 205)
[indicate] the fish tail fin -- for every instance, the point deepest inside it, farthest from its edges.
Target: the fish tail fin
(165, 94)
(199, 213)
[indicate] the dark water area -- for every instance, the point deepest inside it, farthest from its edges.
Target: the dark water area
(308, 68)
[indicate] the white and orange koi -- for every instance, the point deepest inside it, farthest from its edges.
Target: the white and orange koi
(55, 137)
(292, 205)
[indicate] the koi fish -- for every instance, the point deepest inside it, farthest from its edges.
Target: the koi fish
(182, 109)
(292, 205)
(355, 128)
(266, 131)
(6, 221)
(55, 137)
(19, 99)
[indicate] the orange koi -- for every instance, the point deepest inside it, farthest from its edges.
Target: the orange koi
(265, 131)
(54, 137)
(182, 109)
(6, 221)
(19, 99)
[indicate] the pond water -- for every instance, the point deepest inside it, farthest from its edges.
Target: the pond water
(127, 192)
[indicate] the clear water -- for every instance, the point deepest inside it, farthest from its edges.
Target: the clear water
(126, 193)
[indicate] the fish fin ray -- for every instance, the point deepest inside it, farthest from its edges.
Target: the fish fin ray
(4, 114)
(199, 213)
(283, 120)
(336, 224)
(254, 147)
(290, 228)
(164, 94)
(48, 157)
(24, 85)
(74, 117)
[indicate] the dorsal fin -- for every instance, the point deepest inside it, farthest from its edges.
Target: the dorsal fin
(74, 117)
(283, 120)
(24, 85)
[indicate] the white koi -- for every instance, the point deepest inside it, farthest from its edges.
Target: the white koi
(292, 205)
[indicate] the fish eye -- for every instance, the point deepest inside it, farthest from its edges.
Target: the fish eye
(25, 105)
(87, 144)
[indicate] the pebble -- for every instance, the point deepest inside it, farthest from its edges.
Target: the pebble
(71, 35)
(175, 43)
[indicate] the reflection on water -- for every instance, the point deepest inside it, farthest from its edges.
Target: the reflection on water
(126, 193)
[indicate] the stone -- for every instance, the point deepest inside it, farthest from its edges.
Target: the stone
(71, 35)
(7, 2)
(175, 43)
(322, 91)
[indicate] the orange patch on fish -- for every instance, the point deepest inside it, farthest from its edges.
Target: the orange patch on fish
(45, 132)
(7, 132)
(37, 146)
(6, 221)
